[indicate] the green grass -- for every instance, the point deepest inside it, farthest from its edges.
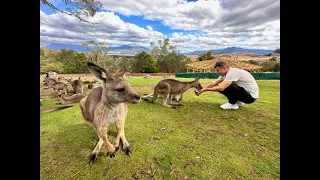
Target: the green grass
(199, 139)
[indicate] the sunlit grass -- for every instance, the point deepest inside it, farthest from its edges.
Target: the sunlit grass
(198, 139)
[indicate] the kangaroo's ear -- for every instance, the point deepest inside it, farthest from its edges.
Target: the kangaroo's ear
(99, 72)
(197, 79)
(121, 71)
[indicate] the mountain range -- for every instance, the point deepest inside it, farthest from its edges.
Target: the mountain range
(127, 49)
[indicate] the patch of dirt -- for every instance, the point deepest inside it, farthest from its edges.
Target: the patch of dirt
(143, 89)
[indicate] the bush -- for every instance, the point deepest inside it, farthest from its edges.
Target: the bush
(276, 67)
(270, 66)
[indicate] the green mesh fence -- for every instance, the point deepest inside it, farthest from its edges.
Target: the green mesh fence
(257, 76)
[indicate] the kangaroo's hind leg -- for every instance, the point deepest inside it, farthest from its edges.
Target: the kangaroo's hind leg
(170, 100)
(165, 100)
(147, 96)
(166, 95)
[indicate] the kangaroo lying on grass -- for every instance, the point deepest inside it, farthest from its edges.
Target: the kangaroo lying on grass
(107, 105)
(57, 86)
(75, 98)
(169, 88)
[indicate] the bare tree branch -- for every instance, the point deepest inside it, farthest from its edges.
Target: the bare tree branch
(83, 8)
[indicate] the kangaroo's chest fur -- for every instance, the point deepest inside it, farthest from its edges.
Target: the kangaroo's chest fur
(97, 112)
(104, 114)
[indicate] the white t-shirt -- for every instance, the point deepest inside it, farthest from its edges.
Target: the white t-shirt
(244, 79)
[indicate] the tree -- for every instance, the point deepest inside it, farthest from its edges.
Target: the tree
(206, 56)
(97, 53)
(144, 63)
(81, 9)
(276, 67)
(48, 61)
(277, 51)
(167, 57)
(124, 61)
(73, 62)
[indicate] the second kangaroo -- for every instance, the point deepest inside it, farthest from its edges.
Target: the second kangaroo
(169, 88)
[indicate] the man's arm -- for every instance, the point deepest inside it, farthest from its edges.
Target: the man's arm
(212, 86)
(214, 83)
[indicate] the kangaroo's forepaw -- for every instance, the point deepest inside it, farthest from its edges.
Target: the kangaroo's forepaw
(92, 158)
(127, 150)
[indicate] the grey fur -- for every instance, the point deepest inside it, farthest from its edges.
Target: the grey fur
(107, 105)
(169, 88)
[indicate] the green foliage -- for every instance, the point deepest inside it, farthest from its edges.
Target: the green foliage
(206, 56)
(124, 61)
(52, 66)
(254, 62)
(73, 61)
(267, 66)
(144, 63)
(63, 61)
(96, 51)
(167, 57)
(270, 66)
(172, 63)
(276, 67)
(48, 62)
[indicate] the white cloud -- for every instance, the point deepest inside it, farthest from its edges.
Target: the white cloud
(218, 24)
(149, 28)
(112, 30)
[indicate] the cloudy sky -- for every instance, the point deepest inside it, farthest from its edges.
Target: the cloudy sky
(190, 25)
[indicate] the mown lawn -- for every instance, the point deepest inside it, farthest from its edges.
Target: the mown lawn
(199, 140)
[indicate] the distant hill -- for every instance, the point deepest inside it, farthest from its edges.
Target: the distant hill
(124, 49)
(232, 50)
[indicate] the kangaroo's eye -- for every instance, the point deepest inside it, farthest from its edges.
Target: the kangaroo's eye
(120, 90)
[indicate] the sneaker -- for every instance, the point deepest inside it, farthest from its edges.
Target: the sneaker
(229, 106)
(240, 103)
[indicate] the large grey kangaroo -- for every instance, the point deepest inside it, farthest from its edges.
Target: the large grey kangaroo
(107, 105)
(169, 88)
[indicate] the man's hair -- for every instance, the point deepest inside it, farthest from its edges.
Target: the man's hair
(220, 63)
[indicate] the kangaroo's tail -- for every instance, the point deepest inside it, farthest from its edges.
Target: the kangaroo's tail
(42, 111)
